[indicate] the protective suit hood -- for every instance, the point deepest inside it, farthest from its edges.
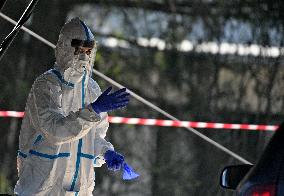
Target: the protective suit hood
(74, 33)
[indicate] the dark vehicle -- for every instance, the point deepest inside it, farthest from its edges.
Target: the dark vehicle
(265, 178)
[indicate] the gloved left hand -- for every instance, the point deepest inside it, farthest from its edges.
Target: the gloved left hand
(113, 160)
(106, 102)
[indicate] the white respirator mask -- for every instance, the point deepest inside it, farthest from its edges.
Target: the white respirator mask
(80, 65)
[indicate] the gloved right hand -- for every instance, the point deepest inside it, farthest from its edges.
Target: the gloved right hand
(114, 160)
(106, 102)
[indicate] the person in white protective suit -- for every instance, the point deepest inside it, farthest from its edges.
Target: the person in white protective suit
(65, 122)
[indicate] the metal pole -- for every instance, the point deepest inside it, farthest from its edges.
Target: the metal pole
(9, 39)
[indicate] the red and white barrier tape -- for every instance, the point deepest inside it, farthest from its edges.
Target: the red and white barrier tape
(11, 114)
(171, 123)
(168, 123)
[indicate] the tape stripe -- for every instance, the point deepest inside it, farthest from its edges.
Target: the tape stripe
(86, 31)
(208, 125)
(156, 122)
(77, 166)
(59, 76)
(48, 156)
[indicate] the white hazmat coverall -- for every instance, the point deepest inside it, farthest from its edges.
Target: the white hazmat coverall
(61, 136)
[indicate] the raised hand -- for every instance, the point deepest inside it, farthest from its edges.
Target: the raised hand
(107, 102)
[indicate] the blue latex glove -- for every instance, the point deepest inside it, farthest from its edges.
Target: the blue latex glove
(106, 102)
(128, 172)
(115, 162)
